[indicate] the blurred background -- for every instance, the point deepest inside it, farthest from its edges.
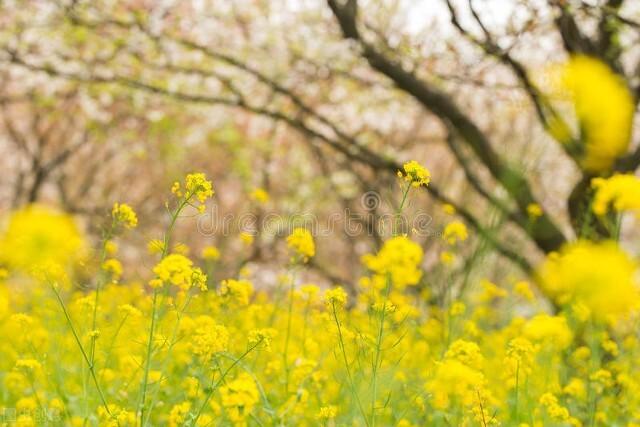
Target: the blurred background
(305, 107)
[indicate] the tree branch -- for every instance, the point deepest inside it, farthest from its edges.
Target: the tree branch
(545, 233)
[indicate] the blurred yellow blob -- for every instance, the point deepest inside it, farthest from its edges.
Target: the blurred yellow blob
(603, 107)
(619, 193)
(37, 235)
(601, 276)
(4, 301)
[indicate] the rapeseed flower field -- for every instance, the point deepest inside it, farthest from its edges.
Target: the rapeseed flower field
(181, 351)
(554, 342)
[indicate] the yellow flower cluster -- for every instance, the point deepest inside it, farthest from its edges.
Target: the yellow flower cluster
(259, 195)
(335, 297)
(301, 242)
(519, 361)
(534, 210)
(458, 379)
(455, 232)
(197, 185)
(328, 412)
(399, 259)
(206, 338)
(599, 276)
(239, 397)
(262, 337)
(415, 174)
(604, 108)
(113, 267)
(195, 189)
(555, 411)
(178, 270)
(210, 253)
(620, 192)
(123, 214)
(236, 291)
(549, 331)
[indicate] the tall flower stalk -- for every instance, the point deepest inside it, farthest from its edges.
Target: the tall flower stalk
(195, 192)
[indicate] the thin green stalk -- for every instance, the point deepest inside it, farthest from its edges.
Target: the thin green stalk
(400, 208)
(147, 364)
(515, 415)
(285, 353)
(84, 353)
(165, 249)
(305, 326)
(378, 353)
(173, 341)
(346, 364)
(96, 301)
(618, 227)
(99, 283)
(112, 344)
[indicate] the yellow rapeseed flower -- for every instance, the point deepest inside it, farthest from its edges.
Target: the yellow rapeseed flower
(447, 258)
(400, 258)
(455, 232)
(327, 412)
(604, 108)
(621, 192)
(534, 210)
(335, 297)
(195, 190)
(179, 271)
(236, 292)
(210, 253)
(113, 267)
(246, 238)
(416, 174)
(239, 397)
(124, 215)
(599, 275)
(552, 331)
(259, 195)
(301, 242)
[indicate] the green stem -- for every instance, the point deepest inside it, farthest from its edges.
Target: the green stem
(103, 256)
(99, 283)
(377, 360)
(174, 340)
(285, 353)
(84, 353)
(618, 227)
(400, 208)
(517, 386)
(346, 364)
(165, 251)
(148, 358)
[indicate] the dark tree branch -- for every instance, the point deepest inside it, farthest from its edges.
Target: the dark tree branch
(544, 110)
(476, 183)
(545, 233)
(607, 33)
(573, 40)
(485, 233)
